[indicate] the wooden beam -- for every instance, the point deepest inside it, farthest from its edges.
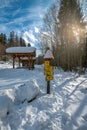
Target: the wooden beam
(19, 61)
(29, 62)
(28, 55)
(13, 62)
(23, 54)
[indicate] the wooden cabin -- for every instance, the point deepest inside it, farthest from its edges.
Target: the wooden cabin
(25, 55)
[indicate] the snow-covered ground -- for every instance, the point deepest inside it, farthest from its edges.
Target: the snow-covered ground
(24, 104)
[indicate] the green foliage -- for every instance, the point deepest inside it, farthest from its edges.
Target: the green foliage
(11, 38)
(3, 39)
(72, 36)
(22, 42)
(84, 57)
(39, 60)
(29, 44)
(5, 58)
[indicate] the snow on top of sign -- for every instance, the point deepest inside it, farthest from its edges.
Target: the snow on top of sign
(20, 49)
(48, 55)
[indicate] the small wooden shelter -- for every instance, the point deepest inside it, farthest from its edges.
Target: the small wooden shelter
(21, 53)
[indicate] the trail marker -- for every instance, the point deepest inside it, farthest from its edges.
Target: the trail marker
(48, 68)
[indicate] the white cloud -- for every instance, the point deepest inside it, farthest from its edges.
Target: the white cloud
(22, 19)
(16, 21)
(3, 28)
(5, 3)
(29, 37)
(36, 29)
(16, 12)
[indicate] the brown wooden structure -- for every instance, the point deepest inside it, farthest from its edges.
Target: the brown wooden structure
(21, 52)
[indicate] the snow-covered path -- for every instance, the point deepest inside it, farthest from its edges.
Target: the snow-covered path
(64, 109)
(73, 92)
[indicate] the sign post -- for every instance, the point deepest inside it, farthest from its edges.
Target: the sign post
(48, 68)
(48, 87)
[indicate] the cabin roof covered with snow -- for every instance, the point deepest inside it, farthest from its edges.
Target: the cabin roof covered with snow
(20, 50)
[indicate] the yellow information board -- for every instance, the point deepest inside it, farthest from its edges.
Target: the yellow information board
(48, 78)
(47, 63)
(48, 70)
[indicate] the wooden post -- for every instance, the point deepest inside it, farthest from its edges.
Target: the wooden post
(13, 61)
(19, 60)
(29, 62)
(48, 87)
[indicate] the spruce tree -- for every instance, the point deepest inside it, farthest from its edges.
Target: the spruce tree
(16, 40)
(71, 26)
(12, 39)
(84, 58)
(22, 42)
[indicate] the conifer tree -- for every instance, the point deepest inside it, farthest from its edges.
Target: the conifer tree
(16, 40)
(71, 32)
(22, 42)
(12, 39)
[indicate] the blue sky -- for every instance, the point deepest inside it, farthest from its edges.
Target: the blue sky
(23, 16)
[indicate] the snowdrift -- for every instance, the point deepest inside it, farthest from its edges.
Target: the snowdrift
(24, 92)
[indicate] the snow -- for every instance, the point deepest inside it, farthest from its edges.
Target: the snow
(20, 49)
(26, 58)
(25, 105)
(5, 104)
(48, 55)
(27, 91)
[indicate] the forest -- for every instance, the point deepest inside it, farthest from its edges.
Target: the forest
(64, 31)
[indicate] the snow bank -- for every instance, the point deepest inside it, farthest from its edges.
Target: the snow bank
(27, 91)
(5, 104)
(64, 109)
(4, 126)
